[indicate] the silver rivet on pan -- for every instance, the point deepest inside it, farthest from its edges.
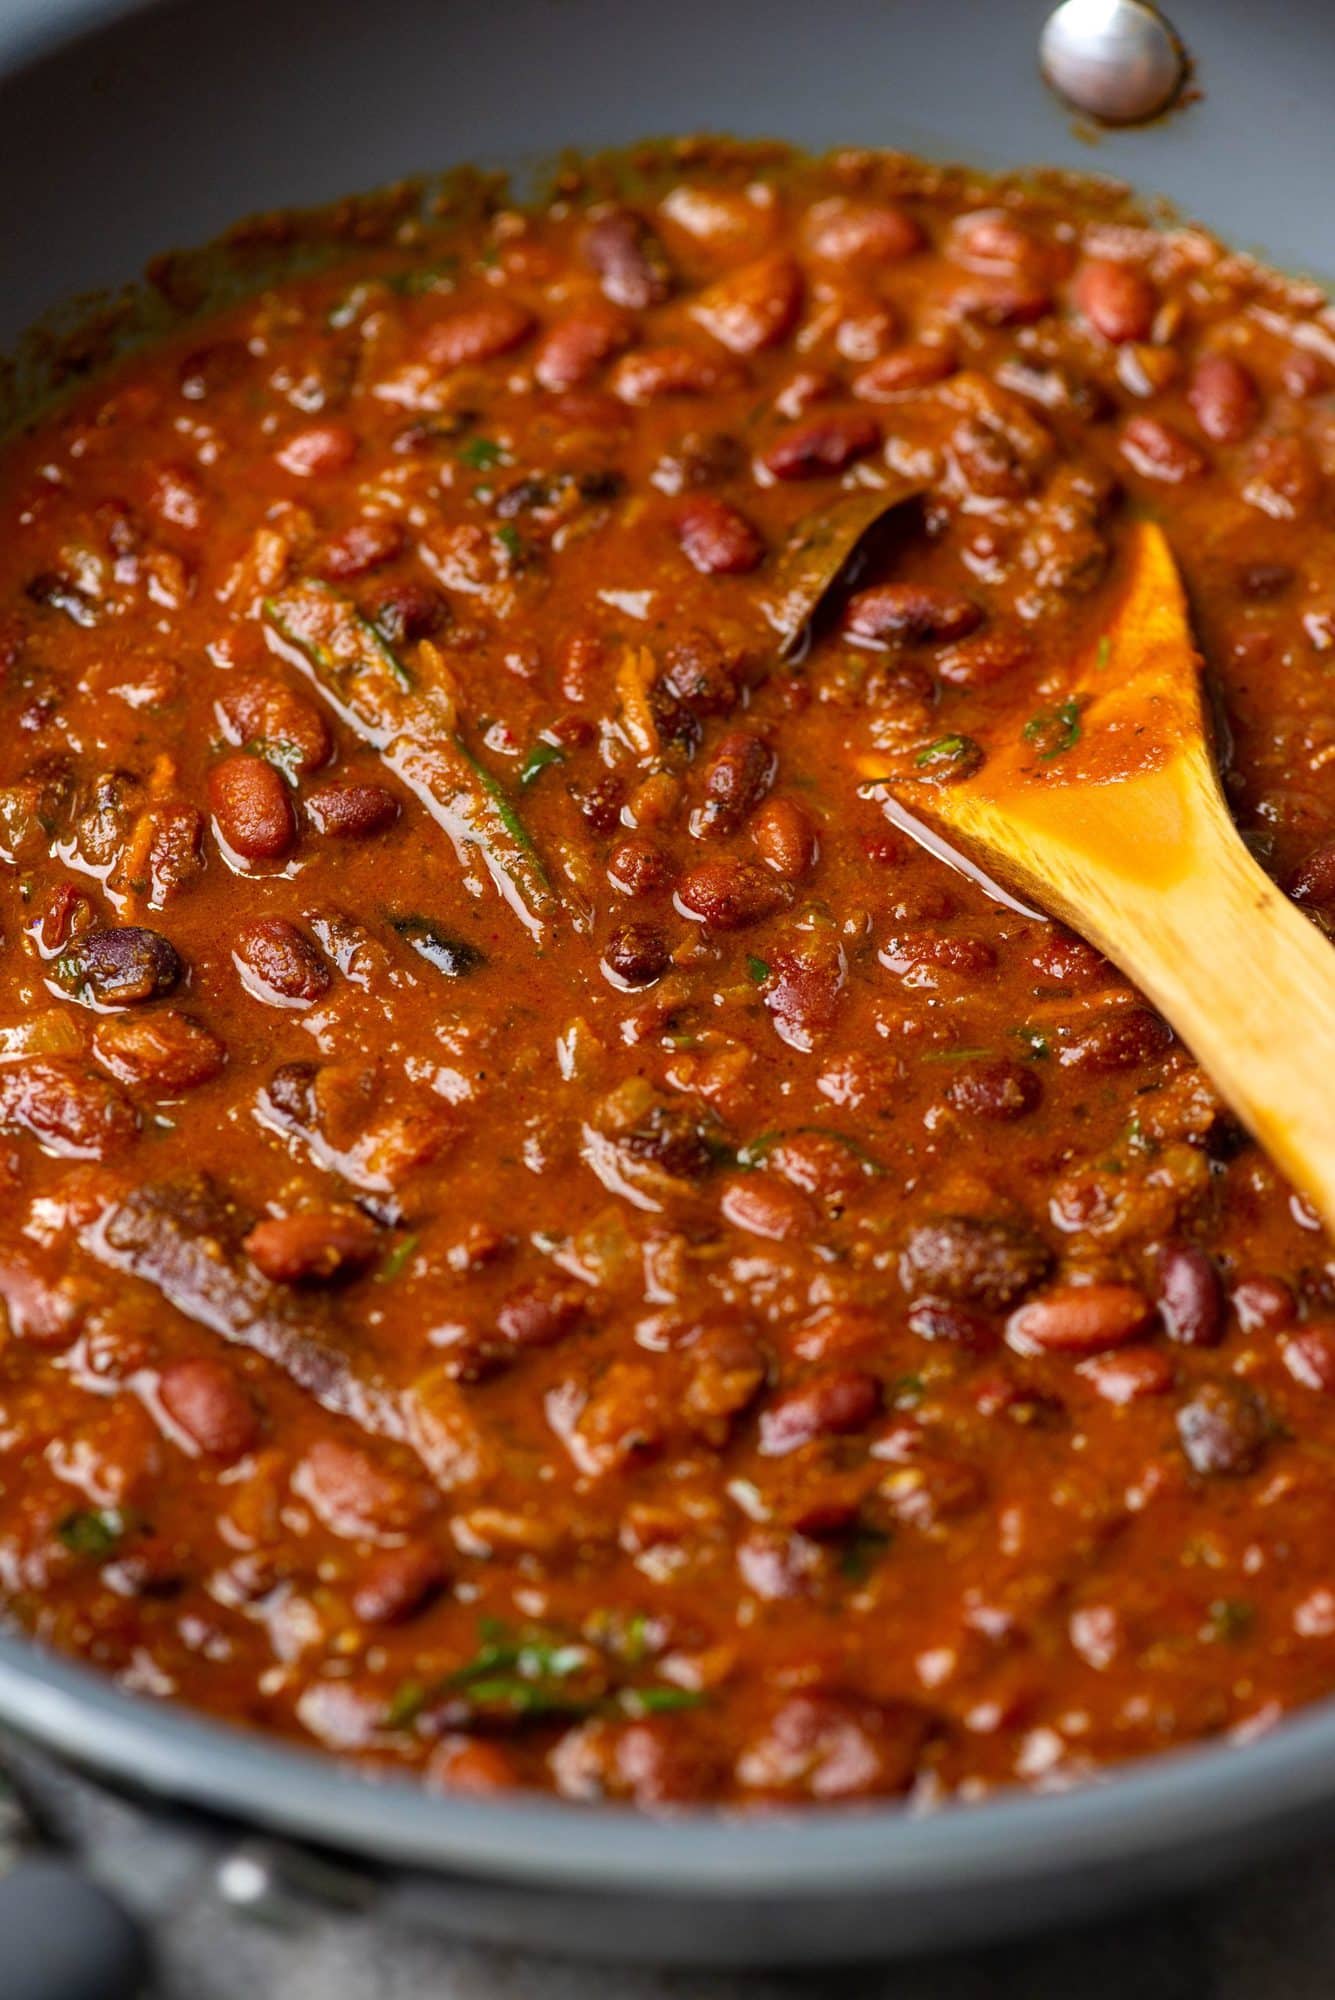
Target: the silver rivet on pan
(1118, 60)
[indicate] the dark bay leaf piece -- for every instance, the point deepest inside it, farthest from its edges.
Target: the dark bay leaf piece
(821, 552)
(183, 1238)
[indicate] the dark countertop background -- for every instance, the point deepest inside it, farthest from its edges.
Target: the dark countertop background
(1270, 1935)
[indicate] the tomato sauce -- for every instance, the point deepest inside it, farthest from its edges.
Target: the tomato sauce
(544, 1242)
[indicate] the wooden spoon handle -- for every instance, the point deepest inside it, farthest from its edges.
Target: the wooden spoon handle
(1159, 879)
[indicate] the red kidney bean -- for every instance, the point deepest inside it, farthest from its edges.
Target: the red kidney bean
(727, 1372)
(1283, 479)
(1079, 1319)
(1263, 1304)
(1011, 301)
(313, 1246)
(162, 1051)
(998, 1091)
(571, 352)
(628, 258)
(931, 1489)
(829, 1746)
(650, 372)
(820, 447)
(120, 966)
(764, 1206)
(320, 448)
(1117, 301)
(636, 955)
(914, 366)
(1124, 1040)
(539, 1314)
(967, 956)
(178, 498)
(827, 1406)
(1129, 1375)
(803, 390)
(1224, 398)
(352, 811)
(410, 610)
(717, 539)
(175, 853)
(736, 778)
(69, 1110)
(991, 237)
(955, 1325)
(207, 371)
(784, 838)
(1156, 451)
(204, 1399)
(819, 1164)
(754, 307)
(1262, 581)
(1222, 1429)
(471, 1766)
(802, 990)
(729, 895)
(698, 458)
(398, 1583)
(909, 611)
(839, 1332)
(48, 1315)
(1190, 1296)
(998, 1394)
(621, 1422)
(701, 675)
(361, 548)
(252, 809)
(866, 328)
(279, 964)
(352, 1494)
(638, 867)
(476, 333)
(1066, 960)
(1313, 880)
(593, 411)
(1309, 1356)
(843, 231)
(600, 802)
(983, 660)
(255, 708)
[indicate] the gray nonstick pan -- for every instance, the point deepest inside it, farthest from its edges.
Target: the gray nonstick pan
(125, 130)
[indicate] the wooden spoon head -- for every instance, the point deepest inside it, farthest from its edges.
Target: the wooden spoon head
(1132, 708)
(1107, 811)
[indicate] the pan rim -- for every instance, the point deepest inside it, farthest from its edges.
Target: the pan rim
(1146, 1811)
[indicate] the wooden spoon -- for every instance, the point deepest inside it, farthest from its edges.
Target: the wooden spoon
(1107, 809)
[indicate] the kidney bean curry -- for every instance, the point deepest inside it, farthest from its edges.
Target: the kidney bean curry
(545, 1242)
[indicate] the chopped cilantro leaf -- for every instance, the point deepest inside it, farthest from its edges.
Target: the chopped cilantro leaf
(1054, 730)
(539, 757)
(658, 1700)
(92, 1531)
(950, 757)
(1230, 1618)
(862, 1552)
(481, 453)
(285, 757)
(1035, 1043)
(395, 1262)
